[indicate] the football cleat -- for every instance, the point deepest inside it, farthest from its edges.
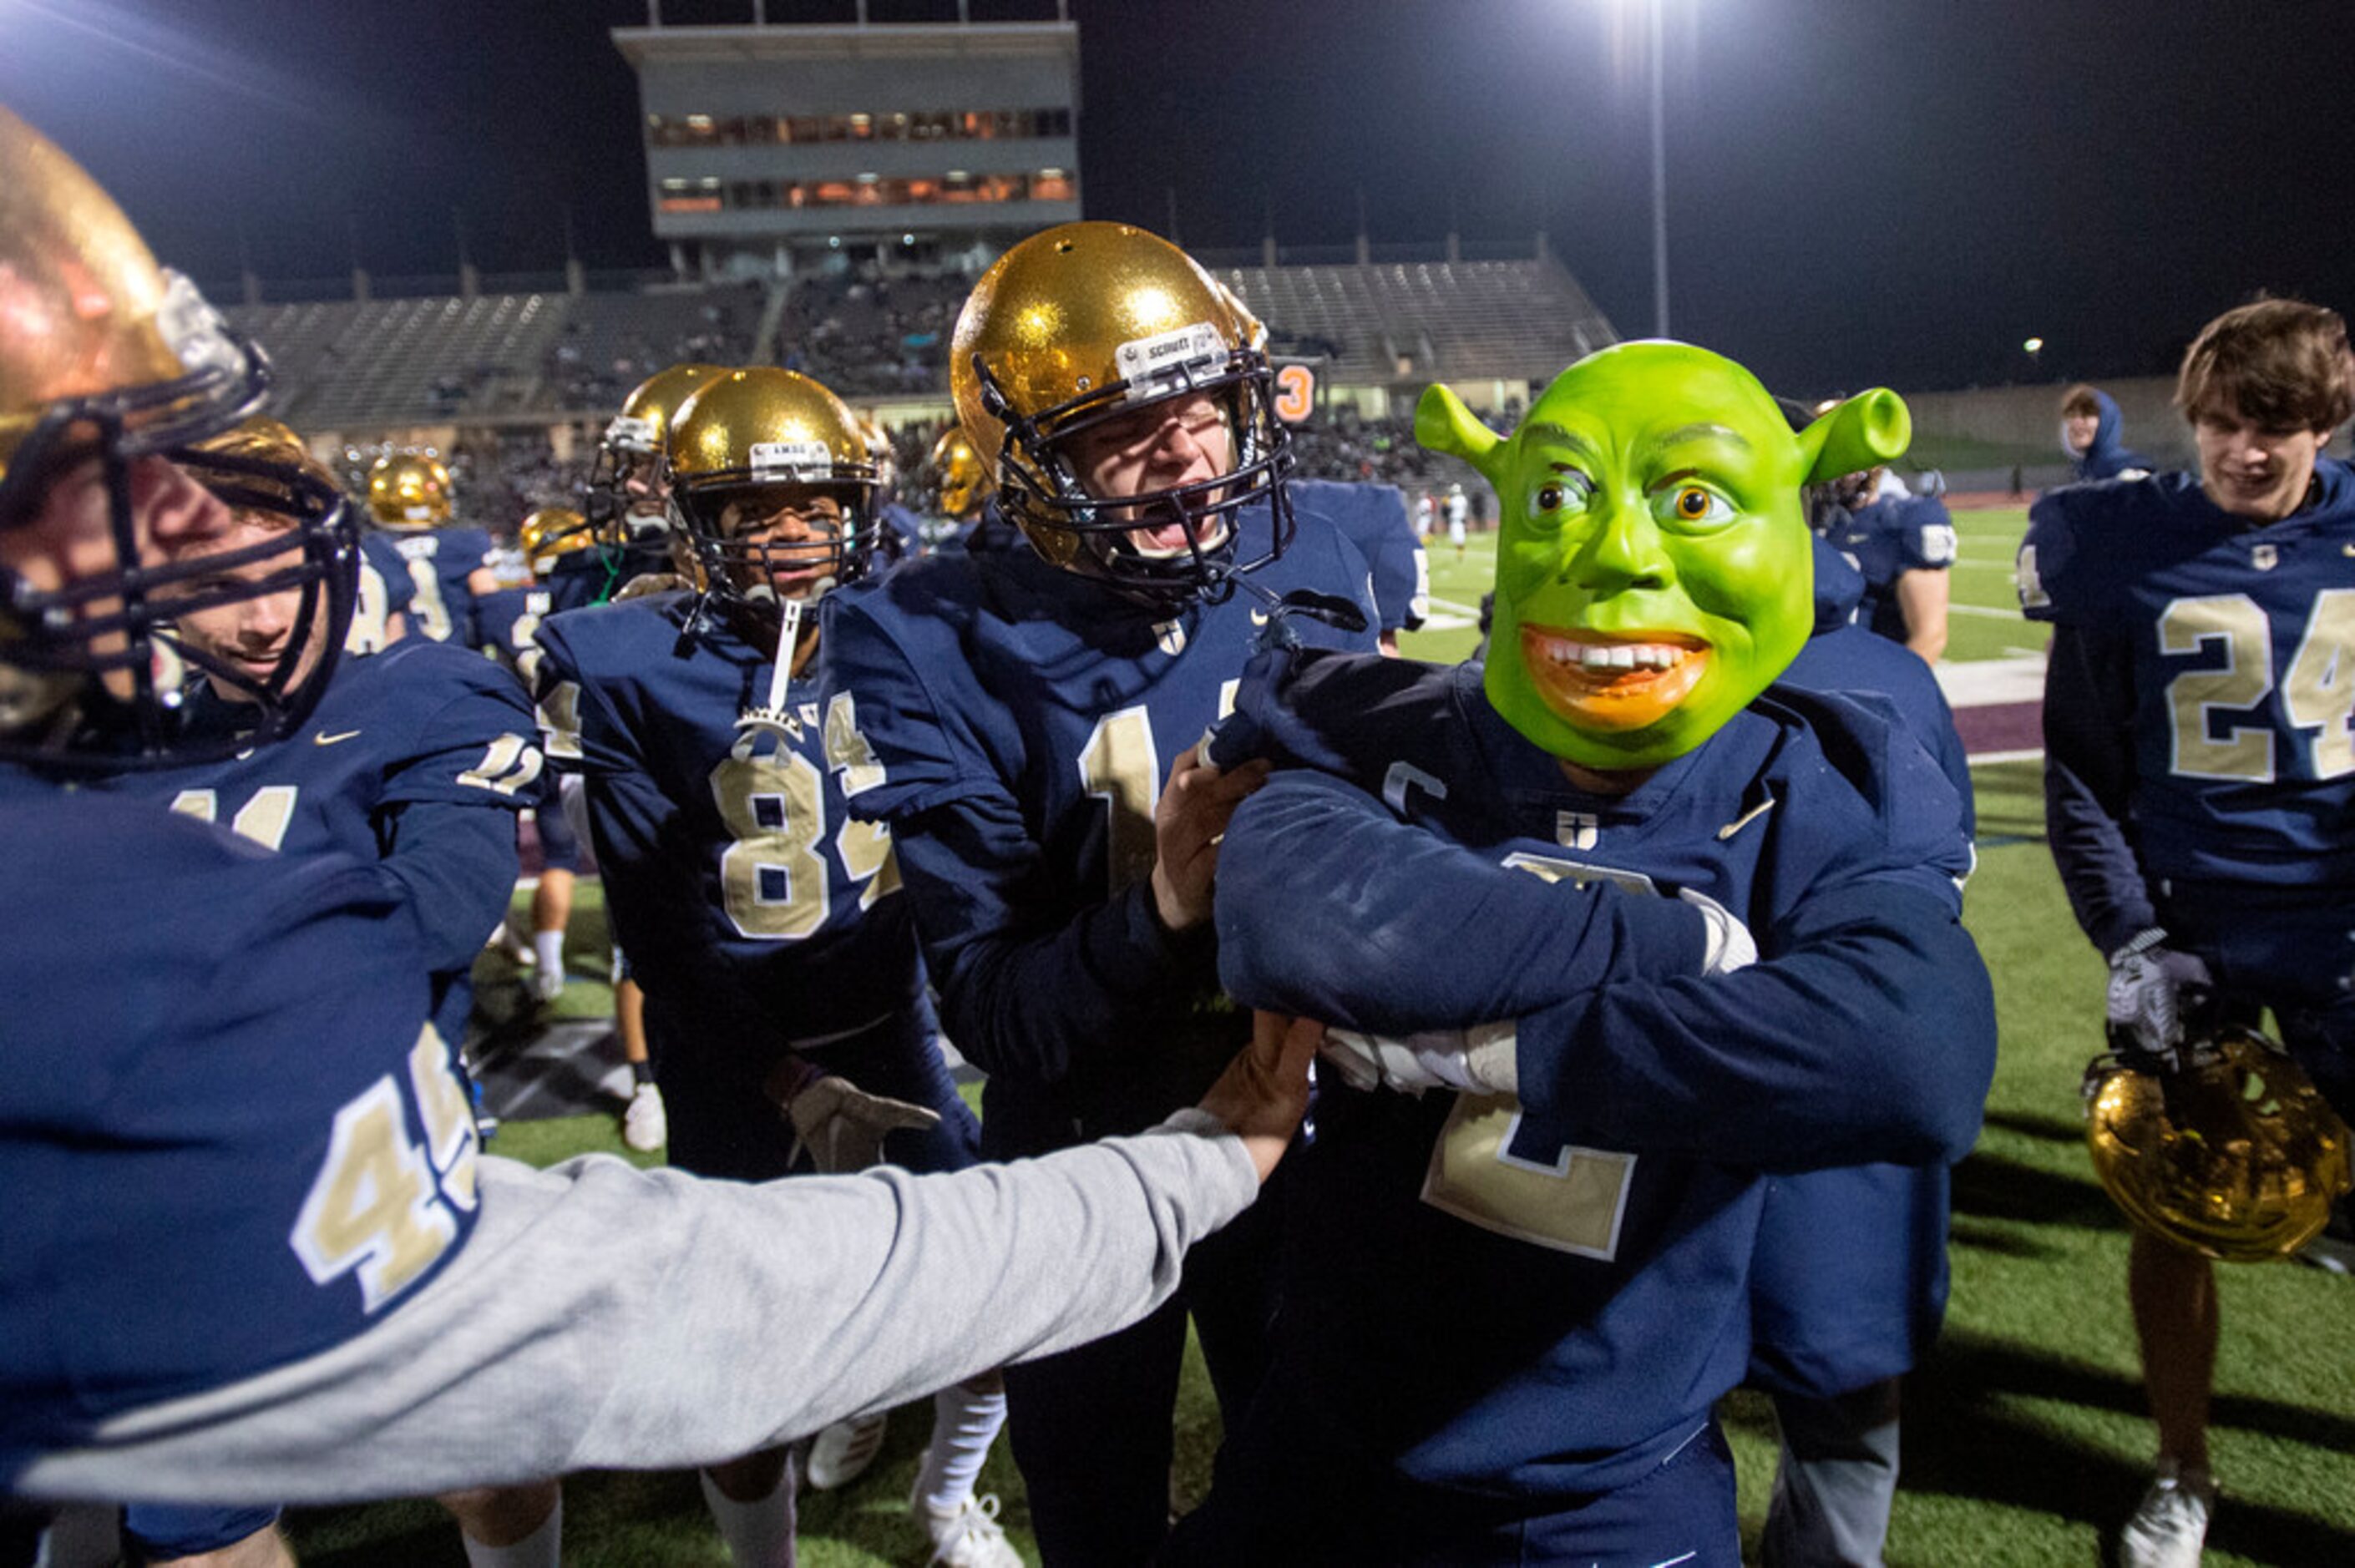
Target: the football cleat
(2234, 1154)
(840, 1454)
(1088, 324)
(967, 1536)
(408, 490)
(2170, 1524)
(108, 364)
(645, 1124)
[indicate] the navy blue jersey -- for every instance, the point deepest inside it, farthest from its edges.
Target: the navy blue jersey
(2207, 659)
(1023, 719)
(416, 725)
(900, 535)
(299, 1156)
(385, 591)
(1587, 1249)
(1844, 657)
(1886, 540)
(1373, 518)
(439, 561)
(757, 914)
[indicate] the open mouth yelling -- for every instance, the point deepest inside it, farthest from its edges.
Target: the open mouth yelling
(1613, 682)
(1166, 541)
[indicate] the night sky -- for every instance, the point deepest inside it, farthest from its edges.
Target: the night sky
(1860, 191)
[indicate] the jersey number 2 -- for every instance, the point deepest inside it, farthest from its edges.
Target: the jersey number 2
(2317, 693)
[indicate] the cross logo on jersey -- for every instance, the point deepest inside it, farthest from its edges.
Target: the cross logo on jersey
(1577, 830)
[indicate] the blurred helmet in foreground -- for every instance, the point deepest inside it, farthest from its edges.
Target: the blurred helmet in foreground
(107, 362)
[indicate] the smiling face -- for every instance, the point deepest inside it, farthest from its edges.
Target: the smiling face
(2253, 469)
(1654, 574)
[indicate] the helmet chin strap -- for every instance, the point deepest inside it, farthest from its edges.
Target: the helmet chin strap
(774, 716)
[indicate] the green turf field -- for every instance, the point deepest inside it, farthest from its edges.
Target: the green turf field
(2024, 1439)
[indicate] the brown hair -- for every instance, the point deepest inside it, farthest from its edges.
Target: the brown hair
(2080, 399)
(2281, 362)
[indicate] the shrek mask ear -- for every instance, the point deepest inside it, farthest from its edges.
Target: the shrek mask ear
(1869, 429)
(1442, 424)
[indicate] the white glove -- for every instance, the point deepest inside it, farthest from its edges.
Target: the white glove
(1479, 1060)
(1731, 947)
(842, 1126)
(2150, 985)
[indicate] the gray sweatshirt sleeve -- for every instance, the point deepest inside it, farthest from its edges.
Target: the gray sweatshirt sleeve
(606, 1316)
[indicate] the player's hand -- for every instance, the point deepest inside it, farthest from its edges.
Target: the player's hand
(1264, 1093)
(842, 1126)
(1479, 1060)
(2151, 987)
(1188, 823)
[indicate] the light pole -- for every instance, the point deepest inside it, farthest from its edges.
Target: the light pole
(1660, 184)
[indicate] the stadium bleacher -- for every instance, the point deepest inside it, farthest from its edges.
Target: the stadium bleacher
(355, 366)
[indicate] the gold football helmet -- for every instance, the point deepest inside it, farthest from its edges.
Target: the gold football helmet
(408, 490)
(632, 445)
(550, 532)
(964, 479)
(2235, 1155)
(107, 359)
(1089, 323)
(752, 442)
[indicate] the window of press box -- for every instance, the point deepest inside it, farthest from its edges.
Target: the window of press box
(931, 125)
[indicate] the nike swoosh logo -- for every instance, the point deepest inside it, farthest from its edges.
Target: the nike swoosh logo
(324, 739)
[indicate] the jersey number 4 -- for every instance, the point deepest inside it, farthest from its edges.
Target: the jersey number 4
(773, 882)
(2317, 693)
(382, 1207)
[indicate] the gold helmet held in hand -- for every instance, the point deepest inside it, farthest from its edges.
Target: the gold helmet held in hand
(2236, 1155)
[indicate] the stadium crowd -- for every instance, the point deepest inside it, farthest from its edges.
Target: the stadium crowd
(1103, 769)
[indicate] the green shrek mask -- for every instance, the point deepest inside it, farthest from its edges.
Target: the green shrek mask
(1655, 573)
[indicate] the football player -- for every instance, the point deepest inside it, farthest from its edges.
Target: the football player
(1710, 931)
(1024, 713)
(2200, 774)
(1374, 518)
(779, 964)
(380, 611)
(900, 533)
(419, 757)
(253, 1254)
(960, 481)
(1904, 547)
(2093, 436)
(508, 620)
(1849, 1277)
(629, 498)
(448, 563)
